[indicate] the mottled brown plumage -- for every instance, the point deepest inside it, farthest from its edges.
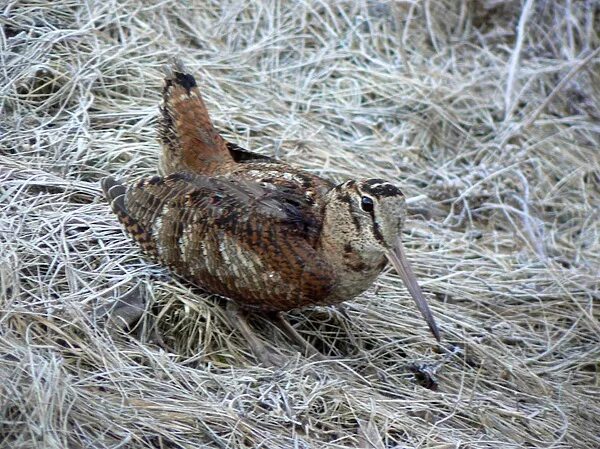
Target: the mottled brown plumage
(253, 229)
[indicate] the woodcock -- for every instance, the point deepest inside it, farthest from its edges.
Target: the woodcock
(253, 229)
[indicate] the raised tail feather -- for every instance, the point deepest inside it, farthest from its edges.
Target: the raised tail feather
(189, 140)
(115, 193)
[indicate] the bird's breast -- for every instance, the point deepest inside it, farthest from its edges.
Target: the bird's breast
(356, 274)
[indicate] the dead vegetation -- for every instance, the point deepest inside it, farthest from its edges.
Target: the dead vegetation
(485, 112)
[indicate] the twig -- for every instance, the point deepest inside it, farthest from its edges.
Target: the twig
(514, 60)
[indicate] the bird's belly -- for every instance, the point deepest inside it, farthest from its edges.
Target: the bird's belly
(268, 278)
(251, 275)
(270, 290)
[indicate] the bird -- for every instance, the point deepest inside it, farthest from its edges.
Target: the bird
(260, 232)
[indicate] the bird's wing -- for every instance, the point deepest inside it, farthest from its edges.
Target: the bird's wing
(225, 234)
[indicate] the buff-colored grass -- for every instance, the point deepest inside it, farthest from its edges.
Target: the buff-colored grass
(486, 112)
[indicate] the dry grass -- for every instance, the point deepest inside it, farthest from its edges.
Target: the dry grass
(486, 112)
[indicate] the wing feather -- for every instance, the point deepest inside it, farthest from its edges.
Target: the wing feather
(233, 237)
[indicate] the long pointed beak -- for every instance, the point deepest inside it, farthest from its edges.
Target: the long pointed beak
(398, 259)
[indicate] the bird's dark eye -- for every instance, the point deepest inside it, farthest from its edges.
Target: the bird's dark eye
(367, 204)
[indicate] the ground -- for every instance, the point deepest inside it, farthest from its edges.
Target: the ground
(485, 112)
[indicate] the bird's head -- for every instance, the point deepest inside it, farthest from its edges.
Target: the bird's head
(369, 215)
